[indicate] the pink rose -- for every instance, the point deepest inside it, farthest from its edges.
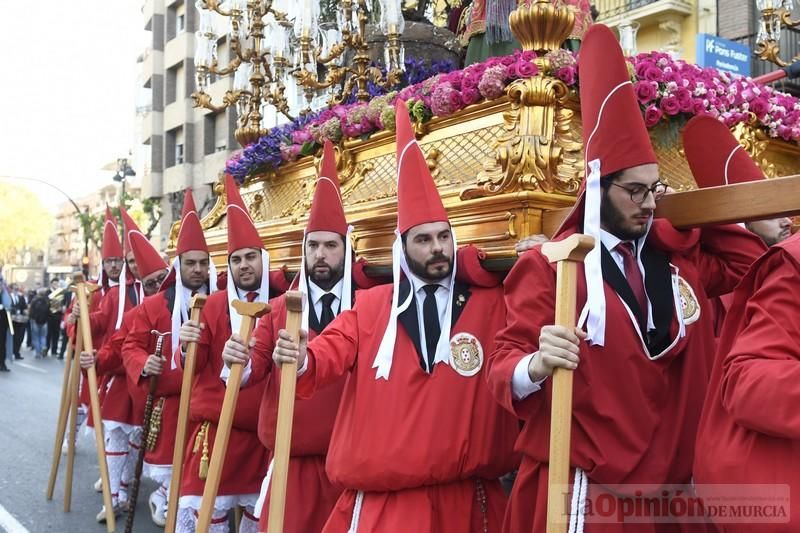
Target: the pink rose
(759, 106)
(684, 99)
(641, 69)
(654, 74)
(567, 74)
(652, 115)
(508, 60)
(512, 71)
(470, 81)
(301, 137)
(670, 105)
(645, 91)
(526, 69)
(698, 107)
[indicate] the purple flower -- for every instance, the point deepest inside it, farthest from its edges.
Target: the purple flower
(645, 91)
(652, 115)
(470, 95)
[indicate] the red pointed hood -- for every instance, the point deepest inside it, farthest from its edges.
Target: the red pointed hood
(418, 200)
(111, 244)
(241, 230)
(190, 234)
(147, 257)
(614, 132)
(715, 156)
(327, 212)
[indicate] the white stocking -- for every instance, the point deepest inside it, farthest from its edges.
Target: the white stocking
(187, 521)
(134, 441)
(249, 523)
(116, 452)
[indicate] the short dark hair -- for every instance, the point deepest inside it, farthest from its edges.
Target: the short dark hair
(608, 179)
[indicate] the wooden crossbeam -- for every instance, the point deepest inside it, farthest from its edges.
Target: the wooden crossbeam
(742, 202)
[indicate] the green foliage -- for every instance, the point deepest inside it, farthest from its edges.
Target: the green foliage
(24, 222)
(146, 213)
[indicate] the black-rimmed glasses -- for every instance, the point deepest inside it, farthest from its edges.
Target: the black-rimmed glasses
(639, 191)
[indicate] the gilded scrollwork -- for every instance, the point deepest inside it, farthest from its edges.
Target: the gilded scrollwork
(538, 150)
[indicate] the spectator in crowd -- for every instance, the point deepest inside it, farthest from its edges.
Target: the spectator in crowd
(39, 313)
(55, 316)
(5, 303)
(19, 317)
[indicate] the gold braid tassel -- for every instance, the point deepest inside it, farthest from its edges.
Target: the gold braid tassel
(155, 425)
(204, 458)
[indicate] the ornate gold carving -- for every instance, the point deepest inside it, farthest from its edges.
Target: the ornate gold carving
(537, 141)
(541, 26)
(755, 141)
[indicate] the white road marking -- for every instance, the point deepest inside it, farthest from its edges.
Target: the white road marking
(31, 367)
(9, 523)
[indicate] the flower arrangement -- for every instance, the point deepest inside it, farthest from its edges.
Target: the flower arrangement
(667, 90)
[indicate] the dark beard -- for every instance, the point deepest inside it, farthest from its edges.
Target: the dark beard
(327, 280)
(421, 270)
(614, 221)
(189, 285)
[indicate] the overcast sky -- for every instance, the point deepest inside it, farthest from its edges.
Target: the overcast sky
(68, 91)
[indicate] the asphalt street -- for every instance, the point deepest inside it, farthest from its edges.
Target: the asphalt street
(29, 401)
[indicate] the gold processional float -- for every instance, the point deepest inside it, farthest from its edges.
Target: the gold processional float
(499, 166)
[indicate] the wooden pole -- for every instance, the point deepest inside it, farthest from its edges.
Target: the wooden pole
(740, 202)
(74, 393)
(61, 424)
(567, 254)
(283, 436)
(196, 305)
(148, 411)
(86, 330)
(249, 312)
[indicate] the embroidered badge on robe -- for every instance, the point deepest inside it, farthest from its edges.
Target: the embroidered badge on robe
(689, 305)
(466, 354)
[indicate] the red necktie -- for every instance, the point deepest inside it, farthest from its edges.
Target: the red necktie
(251, 296)
(634, 276)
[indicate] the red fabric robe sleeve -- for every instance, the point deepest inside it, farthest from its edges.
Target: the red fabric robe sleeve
(140, 343)
(521, 336)
(104, 318)
(109, 357)
(261, 363)
(724, 256)
(330, 355)
(761, 373)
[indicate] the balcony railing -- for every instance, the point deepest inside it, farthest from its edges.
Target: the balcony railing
(612, 8)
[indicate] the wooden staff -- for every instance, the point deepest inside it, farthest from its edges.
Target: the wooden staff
(74, 392)
(249, 312)
(567, 254)
(148, 411)
(61, 424)
(283, 436)
(86, 331)
(196, 305)
(740, 202)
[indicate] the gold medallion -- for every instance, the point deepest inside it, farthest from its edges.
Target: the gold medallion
(689, 305)
(466, 354)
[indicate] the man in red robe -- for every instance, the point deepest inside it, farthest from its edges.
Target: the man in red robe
(165, 312)
(122, 429)
(749, 432)
(327, 282)
(112, 260)
(418, 443)
(642, 363)
(246, 460)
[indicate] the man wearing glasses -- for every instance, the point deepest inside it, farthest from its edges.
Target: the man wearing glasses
(121, 426)
(642, 353)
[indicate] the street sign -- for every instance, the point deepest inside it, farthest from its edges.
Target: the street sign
(723, 54)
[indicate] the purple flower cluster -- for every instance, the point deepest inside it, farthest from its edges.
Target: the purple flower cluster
(664, 87)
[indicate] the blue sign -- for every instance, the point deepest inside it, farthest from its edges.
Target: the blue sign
(722, 54)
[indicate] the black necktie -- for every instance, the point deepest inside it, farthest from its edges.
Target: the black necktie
(327, 311)
(430, 317)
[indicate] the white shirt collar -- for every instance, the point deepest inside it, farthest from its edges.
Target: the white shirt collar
(316, 292)
(418, 284)
(243, 293)
(609, 240)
